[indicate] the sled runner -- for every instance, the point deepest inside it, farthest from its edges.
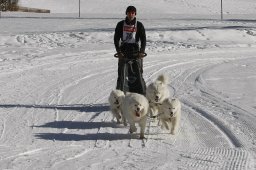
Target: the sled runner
(131, 79)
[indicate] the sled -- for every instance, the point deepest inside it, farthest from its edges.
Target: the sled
(131, 76)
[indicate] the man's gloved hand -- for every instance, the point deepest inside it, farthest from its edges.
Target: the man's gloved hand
(120, 55)
(141, 55)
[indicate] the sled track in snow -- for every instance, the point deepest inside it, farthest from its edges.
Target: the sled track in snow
(193, 77)
(215, 158)
(215, 122)
(185, 81)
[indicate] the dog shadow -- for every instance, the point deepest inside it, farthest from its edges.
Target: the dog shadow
(81, 125)
(78, 137)
(97, 108)
(77, 125)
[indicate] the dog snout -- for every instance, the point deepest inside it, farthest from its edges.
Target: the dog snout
(157, 98)
(137, 112)
(171, 114)
(116, 102)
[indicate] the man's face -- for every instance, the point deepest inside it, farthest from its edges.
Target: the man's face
(131, 15)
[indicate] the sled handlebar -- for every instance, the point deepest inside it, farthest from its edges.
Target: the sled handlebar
(145, 54)
(116, 55)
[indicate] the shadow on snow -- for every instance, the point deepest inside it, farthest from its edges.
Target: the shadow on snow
(78, 107)
(97, 108)
(78, 137)
(78, 125)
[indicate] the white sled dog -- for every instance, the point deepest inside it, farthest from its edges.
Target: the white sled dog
(156, 93)
(115, 101)
(135, 108)
(170, 115)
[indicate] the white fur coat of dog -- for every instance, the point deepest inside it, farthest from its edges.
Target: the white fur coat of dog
(135, 108)
(156, 93)
(115, 100)
(170, 115)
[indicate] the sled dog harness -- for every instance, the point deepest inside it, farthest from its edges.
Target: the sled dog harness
(129, 32)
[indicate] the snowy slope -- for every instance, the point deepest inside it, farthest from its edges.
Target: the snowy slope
(57, 72)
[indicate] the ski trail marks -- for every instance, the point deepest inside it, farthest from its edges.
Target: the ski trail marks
(217, 158)
(216, 125)
(2, 128)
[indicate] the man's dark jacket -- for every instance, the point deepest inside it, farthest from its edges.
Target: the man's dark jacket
(130, 50)
(140, 34)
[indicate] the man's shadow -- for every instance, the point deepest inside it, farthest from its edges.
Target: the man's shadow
(79, 107)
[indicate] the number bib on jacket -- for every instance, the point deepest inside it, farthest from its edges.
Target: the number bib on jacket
(129, 32)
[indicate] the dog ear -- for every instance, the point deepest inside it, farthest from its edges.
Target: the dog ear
(163, 78)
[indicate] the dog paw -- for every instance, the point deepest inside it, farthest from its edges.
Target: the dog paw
(133, 129)
(173, 132)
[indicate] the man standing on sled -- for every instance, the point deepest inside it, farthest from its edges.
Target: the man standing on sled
(130, 52)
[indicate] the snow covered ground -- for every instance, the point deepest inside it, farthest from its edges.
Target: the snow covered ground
(57, 72)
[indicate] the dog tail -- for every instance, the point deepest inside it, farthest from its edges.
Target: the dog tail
(163, 78)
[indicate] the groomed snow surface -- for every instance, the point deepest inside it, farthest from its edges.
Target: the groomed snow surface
(57, 73)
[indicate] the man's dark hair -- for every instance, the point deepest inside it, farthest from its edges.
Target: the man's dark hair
(129, 9)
